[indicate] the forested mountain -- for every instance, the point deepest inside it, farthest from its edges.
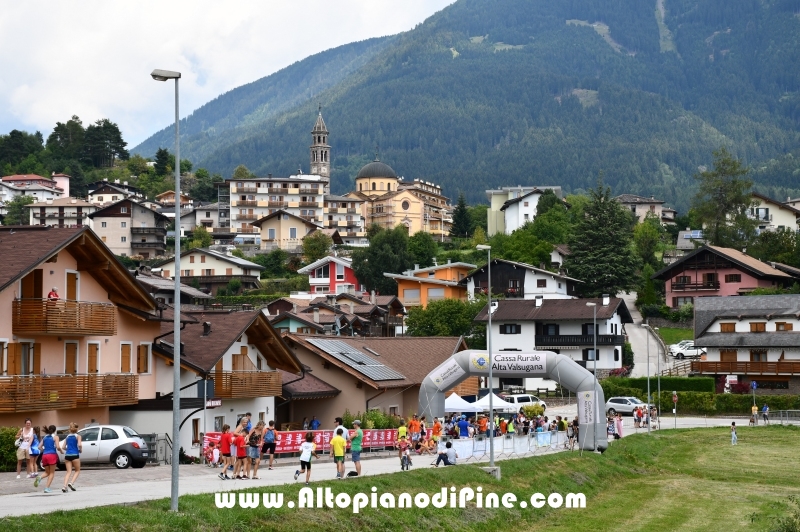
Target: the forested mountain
(508, 92)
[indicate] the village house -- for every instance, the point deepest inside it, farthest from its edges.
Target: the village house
(213, 270)
(131, 229)
(419, 286)
(519, 280)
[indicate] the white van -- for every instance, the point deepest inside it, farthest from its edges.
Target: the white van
(523, 399)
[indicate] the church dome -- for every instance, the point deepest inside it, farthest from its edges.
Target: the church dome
(376, 169)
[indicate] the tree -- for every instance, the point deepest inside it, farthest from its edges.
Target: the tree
(387, 253)
(201, 238)
(647, 294)
(242, 172)
(422, 248)
(777, 246)
(477, 218)
(461, 220)
(723, 202)
(16, 213)
(162, 161)
(66, 140)
(547, 201)
(103, 144)
(554, 225)
(205, 186)
(449, 317)
(315, 246)
(274, 262)
(522, 245)
(601, 254)
(137, 165)
(647, 237)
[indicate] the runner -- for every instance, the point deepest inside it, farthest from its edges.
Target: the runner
(307, 449)
(437, 430)
(338, 445)
(269, 443)
(72, 448)
(225, 450)
(48, 446)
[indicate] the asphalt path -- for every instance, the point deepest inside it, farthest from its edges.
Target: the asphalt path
(641, 340)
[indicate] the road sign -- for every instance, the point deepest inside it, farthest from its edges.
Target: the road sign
(674, 398)
(753, 385)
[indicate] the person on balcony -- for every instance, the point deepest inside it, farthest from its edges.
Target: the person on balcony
(53, 294)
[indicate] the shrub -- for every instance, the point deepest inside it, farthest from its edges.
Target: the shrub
(8, 453)
(627, 355)
(681, 384)
(531, 411)
(650, 311)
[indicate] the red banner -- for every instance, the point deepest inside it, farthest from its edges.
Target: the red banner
(289, 441)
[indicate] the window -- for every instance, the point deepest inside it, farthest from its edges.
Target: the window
(526, 204)
(527, 218)
(411, 296)
(541, 283)
(321, 289)
(764, 384)
(586, 329)
(323, 272)
(123, 239)
(218, 422)
(187, 273)
(616, 355)
(195, 430)
(783, 326)
(191, 259)
(680, 301)
(102, 224)
(123, 209)
(435, 294)
(405, 205)
(109, 434)
(683, 279)
(270, 234)
(208, 214)
(123, 224)
(733, 278)
(143, 359)
(727, 327)
(758, 326)
(99, 198)
(588, 355)
(208, 271)
(550, 329)
(90, 434)
(710, 279)
(510, 328)
(758, 355)
(339, 272)
(292, 232)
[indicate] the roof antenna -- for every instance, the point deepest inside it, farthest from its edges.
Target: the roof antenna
(320, 108)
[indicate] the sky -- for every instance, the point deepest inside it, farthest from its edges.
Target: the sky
(93, 58)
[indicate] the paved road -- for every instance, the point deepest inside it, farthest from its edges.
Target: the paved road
(107, 486)
(639, 338)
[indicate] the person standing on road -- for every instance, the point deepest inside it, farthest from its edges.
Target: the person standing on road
(414, 428)
(25, 437)
(355, 445)
(733, 433)
(270, 436)
(72, 447)
(34, 453)
(338, 445)
(765, 414)
(48, 446)
(254, 441)
(754, 414)
(314, 425)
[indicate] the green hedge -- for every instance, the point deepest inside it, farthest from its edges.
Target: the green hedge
(8, 453)
(681, 384)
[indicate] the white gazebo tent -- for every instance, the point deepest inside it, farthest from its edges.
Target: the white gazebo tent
(497, 404)
(455, 403)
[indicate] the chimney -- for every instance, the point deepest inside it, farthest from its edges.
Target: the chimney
(606, 300)
(316, 315)
(269, 175)
(73, 200)
(416, 267)
(116, 181)
(352, 307)
(448, 261)
(206, 328)
(294, 308)
(539, 300)
(372, 297)
(125, 183)
(435, 262)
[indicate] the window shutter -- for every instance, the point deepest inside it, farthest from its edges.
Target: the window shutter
(37, 359)
(71, 359)
(556, 329)
(141, 360)
(14, 358)
(92, 359)
(502, 329)
(125, 358)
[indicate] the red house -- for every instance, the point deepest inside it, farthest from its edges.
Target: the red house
(717, 271)
(332, 275)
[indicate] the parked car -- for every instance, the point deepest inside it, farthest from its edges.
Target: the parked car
(624, 405)
(675, 348)
(689, 351)
(115, 444)
(523, 399)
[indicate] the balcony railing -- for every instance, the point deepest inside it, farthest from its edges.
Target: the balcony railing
(245, 384)
(204, 279)
(333, 210)
(309, 204)
(59, 215)
(747, 368)
(308, 218)
(223, 230)
(572, 340)
(81, 318)
(149, 231)
(147, 245)
(248, 216)
(244, 230)
(278, 204)
(351, 211)
(29, 393)
(245, 190)
(246, 203)
(709, 285)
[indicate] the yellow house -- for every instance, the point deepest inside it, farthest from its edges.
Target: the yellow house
(417, 287)
(284, 230)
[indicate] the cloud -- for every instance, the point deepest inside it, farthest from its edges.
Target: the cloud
(93, 58)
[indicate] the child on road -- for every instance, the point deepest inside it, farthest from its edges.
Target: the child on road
(48, 446)
(307, 449)
(338, 444)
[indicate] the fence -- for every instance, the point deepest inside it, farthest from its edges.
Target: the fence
(789, 416)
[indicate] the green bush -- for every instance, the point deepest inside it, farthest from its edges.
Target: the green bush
(531, 411)
(8, 453)
(373, 419)
(681, 384)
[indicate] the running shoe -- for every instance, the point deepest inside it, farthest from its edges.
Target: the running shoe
(70, 486)
(47, 490)
(297, 474)
(64, 490)
(306, 483)
(222, 477)
(36, 482)
(18, 477)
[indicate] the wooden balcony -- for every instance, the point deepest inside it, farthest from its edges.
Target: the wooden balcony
(161, 231)
(584, 340)
(248, 216)
(32, 393)
(278, 204)
(246, 384)
(309, 204)
(709, 285)
(246, 203)
(149, 245)
(747, 368)
(62, 317)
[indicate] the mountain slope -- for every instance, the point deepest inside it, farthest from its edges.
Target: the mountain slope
(485, 94)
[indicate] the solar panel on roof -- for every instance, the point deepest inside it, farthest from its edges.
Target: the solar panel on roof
(366, 365)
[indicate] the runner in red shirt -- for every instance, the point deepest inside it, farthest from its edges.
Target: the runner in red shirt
(225, 451)
(242, 465)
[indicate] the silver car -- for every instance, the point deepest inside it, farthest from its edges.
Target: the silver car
(114, 444)
(624, 405)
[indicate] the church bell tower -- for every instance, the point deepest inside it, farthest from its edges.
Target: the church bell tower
(320, 149)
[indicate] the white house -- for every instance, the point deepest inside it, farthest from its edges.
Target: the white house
(520, 280)
(772, 215)
(62, 212)
(511, 207)
(563, 326)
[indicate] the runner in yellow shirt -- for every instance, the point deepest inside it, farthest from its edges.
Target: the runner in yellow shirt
(338, 445)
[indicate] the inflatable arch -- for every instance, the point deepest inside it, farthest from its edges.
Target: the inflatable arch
(545, 364)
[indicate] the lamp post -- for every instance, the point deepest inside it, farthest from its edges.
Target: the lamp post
(658, 377)
(594, 357)
(649, 421)
(488, 249)
(164, 75)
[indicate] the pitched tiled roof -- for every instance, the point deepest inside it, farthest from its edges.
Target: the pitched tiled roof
(160, 283)
(309, 387)
(633, 198)
(510, 202)
(709, 309)
(556, 309)
(23, 247)
(754, 266)
(733, 340)
(520, 265)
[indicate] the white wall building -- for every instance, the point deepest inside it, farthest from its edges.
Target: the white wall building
(511, 207)
(519, 280)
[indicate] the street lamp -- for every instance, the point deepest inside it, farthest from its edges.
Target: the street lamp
(658, 367)
(164, 75)
(649, 421)
(488, 249)
(594, 357)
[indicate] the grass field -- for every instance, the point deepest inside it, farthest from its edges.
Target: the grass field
(674, 480)
(673, 336)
